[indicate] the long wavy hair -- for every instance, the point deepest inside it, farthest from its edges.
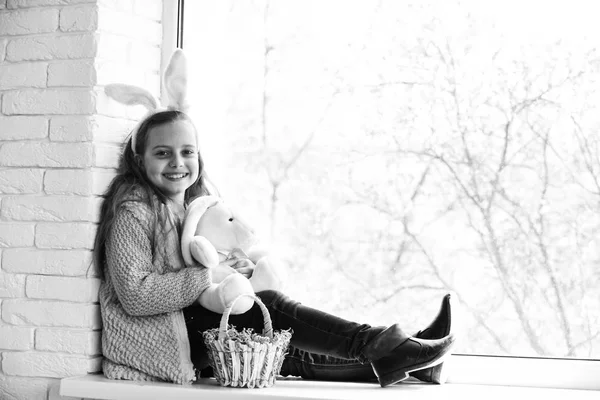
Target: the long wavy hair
(132, 177)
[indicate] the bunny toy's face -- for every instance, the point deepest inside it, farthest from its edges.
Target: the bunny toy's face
(225, 230)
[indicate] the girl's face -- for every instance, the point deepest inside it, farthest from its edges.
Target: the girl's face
(170, 159)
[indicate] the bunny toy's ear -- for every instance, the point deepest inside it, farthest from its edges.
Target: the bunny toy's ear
(131, 95)
(193, 214)
(176, 82)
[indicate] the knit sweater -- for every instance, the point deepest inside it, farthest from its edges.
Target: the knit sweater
(145, 287)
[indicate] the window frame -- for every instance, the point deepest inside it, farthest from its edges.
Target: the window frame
(478, 369)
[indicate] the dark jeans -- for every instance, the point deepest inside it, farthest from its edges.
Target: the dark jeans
(325, 368)
(323, 346)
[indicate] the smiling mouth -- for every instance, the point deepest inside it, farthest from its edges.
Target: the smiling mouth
(175, 177)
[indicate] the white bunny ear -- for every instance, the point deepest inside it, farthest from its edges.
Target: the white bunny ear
(176, 81)
(193, 214)
(131, 95)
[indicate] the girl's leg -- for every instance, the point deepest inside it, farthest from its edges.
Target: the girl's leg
(313, 331)
(391, 353)
(321, 367)
(299, 361)
(296, 363)
(325, 368)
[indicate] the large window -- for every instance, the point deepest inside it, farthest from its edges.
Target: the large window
(392, 151)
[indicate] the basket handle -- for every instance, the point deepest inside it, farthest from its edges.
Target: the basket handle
(267, 328)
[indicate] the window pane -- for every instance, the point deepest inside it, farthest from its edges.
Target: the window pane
(392, 151)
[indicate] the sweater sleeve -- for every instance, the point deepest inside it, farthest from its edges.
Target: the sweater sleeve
(140, 290)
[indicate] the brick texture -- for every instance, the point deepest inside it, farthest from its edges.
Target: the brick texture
(47, 262)
(72, 73)
(23, 75)
(69, 181)
(16, 234)
(20, 388)
(65, 235)
(50, 101)
(49, 208)
(51, 48)
(50, 313)
(12, 285)
(29, 21)
(42, 154)
(23, 128)
(80, 290)
(42, 3)
(72, 341)
(16, 338)
(80, 18)
(41, 364)
(22, 181)
(3, 43)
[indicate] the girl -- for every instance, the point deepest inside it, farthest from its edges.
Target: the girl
(152, 328)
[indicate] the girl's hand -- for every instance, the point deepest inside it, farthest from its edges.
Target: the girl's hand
(245, 267)
(222, 271)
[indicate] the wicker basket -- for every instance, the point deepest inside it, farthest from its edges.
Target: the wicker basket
(245, 358)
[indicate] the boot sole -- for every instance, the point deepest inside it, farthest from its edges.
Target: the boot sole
(402, 374)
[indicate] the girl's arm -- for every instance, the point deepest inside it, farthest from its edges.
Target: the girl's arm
(142, 291)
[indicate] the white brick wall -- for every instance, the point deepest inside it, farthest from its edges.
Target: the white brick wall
(15, 387)
(46, 262)
(59, 140)
(3, 43)
(80, 290)
(51, 47)
(44, 154)
(36, 363)
(66, 235)
(80, 18)
(18, 127)
(20, 180)
(72, 73)
(16, 338)
(23, 22)
(50, 313)
(49, 101)
(23, 75)
(50, 208)
(72, 341)
(16, 235)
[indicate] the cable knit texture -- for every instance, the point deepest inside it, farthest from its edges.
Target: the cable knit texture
(145, 287)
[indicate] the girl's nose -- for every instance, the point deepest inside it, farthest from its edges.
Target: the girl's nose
(176, 161)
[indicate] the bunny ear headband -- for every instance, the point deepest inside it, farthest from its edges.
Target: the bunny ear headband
(175, 81)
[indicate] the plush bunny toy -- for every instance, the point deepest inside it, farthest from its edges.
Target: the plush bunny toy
(212, 233)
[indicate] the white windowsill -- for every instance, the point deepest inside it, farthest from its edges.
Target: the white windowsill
(469, 377)
(98, 387)
(523, 371)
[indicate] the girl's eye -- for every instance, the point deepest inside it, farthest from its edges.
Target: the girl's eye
(161, 153)
(189, 152)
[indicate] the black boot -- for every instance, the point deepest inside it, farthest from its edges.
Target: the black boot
(438, 328)
(393, 354)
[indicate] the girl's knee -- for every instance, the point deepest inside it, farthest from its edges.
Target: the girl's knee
(271, 297)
